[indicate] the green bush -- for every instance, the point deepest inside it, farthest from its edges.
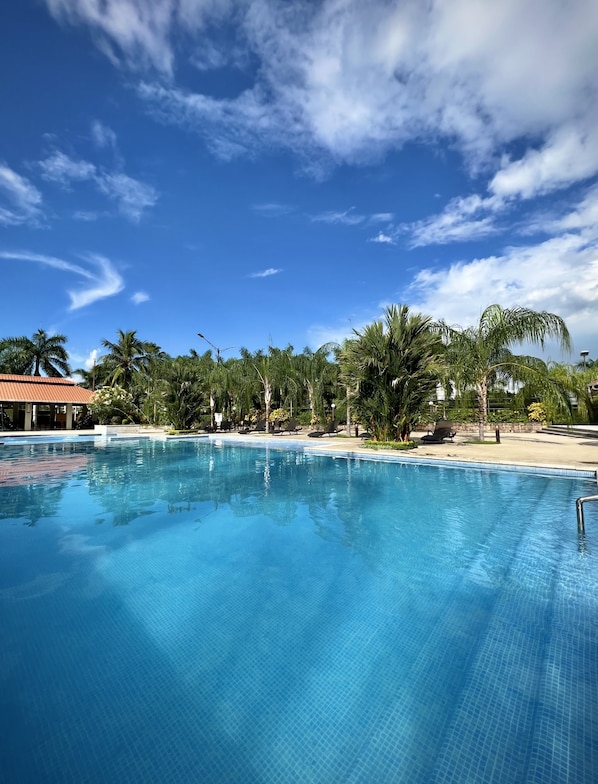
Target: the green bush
(400, 445)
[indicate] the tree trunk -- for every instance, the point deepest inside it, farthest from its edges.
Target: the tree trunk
(482, 408)
(267, 401)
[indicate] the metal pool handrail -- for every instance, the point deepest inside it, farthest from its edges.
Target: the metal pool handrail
(581, 527)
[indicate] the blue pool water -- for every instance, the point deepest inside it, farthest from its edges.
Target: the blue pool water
(202, 612)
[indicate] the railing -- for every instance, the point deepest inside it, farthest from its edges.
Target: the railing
(581, 526)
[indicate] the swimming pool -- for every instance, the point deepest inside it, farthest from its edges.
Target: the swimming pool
(197, 611)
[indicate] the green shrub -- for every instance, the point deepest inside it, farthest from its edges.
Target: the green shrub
(400, 445)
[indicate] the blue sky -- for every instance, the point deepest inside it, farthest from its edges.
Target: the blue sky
(272, 172)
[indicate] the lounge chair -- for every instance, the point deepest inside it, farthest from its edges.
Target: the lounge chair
(443, 428)
(290, 427)
(331, 427)
(259, 427)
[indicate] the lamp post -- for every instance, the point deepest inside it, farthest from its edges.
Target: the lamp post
(583, 355)
(218, 350)
(333, 407)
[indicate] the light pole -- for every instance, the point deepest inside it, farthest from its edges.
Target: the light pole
(218, 350)
(333, 407)
(583, 355)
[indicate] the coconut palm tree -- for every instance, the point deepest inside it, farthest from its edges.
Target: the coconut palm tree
(126, 357)
(394, 367)
(31, 356)
(479, 357)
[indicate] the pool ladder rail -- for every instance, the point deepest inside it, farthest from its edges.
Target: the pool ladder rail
(581, 526)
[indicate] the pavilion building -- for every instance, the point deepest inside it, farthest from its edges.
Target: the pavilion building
(40, 402)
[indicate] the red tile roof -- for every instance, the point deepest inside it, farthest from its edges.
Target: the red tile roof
(41, 389)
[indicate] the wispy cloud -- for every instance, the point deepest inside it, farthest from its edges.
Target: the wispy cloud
(265, 273)
(346, 217)
(131, 196)
(100, 278)
(22, 200)
(102, 136)
(463, 219)
(131, 31)
(350, 82)
(62, 169)
(139, 297)
(383, 239)
(272, 209)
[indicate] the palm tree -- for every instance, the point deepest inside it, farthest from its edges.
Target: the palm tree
(318, 375)
(394, 367)
(126, 357)
(183, 392)
(479, 357)
(42, 352)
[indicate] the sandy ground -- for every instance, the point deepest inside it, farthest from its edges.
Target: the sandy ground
(531, 449)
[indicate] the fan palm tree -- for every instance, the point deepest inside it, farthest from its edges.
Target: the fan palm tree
(394, 367)
(479, 357)
(42, 352)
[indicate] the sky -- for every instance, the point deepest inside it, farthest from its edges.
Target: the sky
(267, 172)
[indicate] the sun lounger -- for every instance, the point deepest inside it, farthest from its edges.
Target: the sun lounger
(331, 428)
(443, 428)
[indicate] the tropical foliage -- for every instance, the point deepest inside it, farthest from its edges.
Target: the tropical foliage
(30, 356)
(384, 378)
(393, 366)
(112, 404)
(479, 357)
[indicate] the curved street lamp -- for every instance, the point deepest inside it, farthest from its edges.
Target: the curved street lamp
(218, 350)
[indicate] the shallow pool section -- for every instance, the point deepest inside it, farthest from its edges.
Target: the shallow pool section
(196, 611)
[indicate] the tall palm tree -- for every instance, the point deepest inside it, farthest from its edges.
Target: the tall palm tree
(479, 357)
(126, 357)
(40, 353)
(394, 367)
(183, 392)
(318, 375)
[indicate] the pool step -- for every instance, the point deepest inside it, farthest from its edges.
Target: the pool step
(575, 431)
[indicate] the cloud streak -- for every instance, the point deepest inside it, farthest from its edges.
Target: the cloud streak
(132, 197)
(22, 200)
(99, 275)
(265, 273)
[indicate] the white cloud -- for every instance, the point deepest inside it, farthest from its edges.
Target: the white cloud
(22, 200)
(265, 273)
(568, 156)
(102, 135)
(139, 297)
(91, 359)
(350, 81)
(272, 209)
(383, 239)
(136, 30)
(381, 217)
(101, 279)
(64, 170)
(464, 218)
(559, 275)
(132, 196)
(346, 217)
